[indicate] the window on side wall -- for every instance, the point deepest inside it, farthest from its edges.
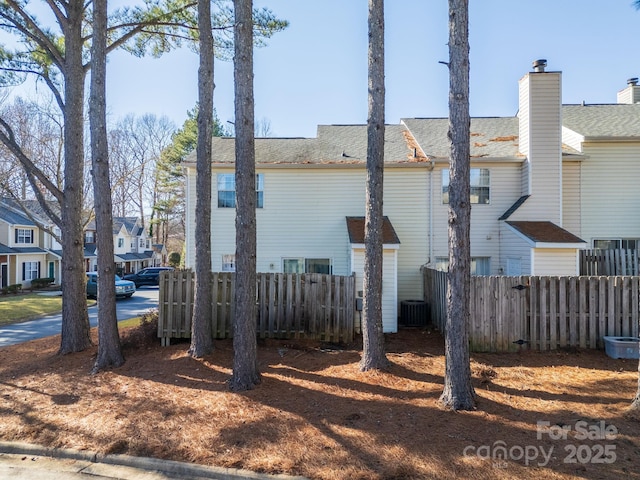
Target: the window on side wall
(229, 263)
(307, 265)
(617, 243)
(480, 266)
(480, 191)
(227, 190)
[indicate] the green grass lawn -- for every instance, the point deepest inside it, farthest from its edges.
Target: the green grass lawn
(16, 308)
(131, 322)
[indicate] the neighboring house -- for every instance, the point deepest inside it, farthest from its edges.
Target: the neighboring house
(133, 250)
(546, 183)
(27, 250)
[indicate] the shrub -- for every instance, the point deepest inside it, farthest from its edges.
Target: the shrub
(41, 282)
(145, 334)
(174, 259)
(15, 288)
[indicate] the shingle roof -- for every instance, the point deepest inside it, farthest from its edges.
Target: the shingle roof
(334, 144)
(355, 228)
(5, 250)
(29, 250)
(491, 137)
(33, 207)
(14, 218)
(545, 232)
(128, 222)
(127, 257)
(423, 139)
(592, 121)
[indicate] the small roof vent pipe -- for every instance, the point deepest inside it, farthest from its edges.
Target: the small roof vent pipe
(539, 65)
(632, 82)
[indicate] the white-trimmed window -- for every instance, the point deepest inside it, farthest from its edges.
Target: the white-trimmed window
(307, 265)
(120, 242)
(616, 243)
(229, 263)
(89, 237)
(30, 270)
(24, 235)
(227, 190)
(480, 266)
(480, 191)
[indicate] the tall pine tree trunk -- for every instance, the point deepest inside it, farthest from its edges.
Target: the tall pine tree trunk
(245, 356)
(373, 351)
(109, 351)
(75, 317)
(635, 405)
(458, 393)
(201, 336)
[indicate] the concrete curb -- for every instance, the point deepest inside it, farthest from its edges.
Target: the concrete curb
(188, 470)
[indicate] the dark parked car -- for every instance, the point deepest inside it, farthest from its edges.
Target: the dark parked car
(124, 288)
(146, 276)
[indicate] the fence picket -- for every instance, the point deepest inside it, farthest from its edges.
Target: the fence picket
(593, 311)
(563, 323)
(553, 315)
(602, 310)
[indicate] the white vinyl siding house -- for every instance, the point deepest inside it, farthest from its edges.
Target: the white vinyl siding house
(23, 256)
(612, 172)
(554, 262)
(554, 179)
(571, 208)
(513, 251)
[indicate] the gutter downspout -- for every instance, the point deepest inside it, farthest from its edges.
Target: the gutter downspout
(430, 169)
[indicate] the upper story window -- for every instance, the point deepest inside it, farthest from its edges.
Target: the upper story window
(227, 190)
(89, 237)
(120, 242)
(479, 182)
(24, 235)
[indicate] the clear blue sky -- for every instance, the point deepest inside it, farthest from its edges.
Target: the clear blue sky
(315, 72)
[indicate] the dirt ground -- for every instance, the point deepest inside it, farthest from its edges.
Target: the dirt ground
(557, 415)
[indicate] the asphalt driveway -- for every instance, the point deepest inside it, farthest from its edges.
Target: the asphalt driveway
(144, 299)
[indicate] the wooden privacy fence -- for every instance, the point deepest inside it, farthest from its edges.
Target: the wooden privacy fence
(609, 262)
(546, 312)
(311, 305)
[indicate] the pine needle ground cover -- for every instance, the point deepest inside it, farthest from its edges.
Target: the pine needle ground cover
(556, 415)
